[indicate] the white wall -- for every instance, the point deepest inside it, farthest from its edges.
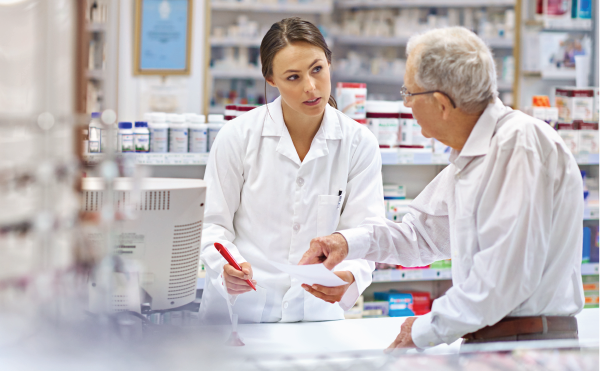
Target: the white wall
(134, 91)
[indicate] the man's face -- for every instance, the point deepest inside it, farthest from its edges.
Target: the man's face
(425, 107)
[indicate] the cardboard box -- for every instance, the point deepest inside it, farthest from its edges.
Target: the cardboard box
(576, 104)
(570, 136)
(403, 304)
(588, 141)
(596, 104)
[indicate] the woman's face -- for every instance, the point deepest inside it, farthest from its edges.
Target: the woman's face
(301, 73)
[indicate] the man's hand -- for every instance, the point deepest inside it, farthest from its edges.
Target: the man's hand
(236, 280)
(331, 294)
(404, 338)
(329, 250)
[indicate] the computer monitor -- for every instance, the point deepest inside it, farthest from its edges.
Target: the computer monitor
(163, 240)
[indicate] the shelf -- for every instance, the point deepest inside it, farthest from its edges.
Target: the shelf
(422, 3)
(315, 7)
(556, 74)
(389, 156)
(368, 78)
(563, 25)
(589, 269)
(235, 41)
(403, 275)
(254, 74)
(154, 158)
(505, 85)
(495, 43)
(371, 40)
(588, 159)
(409, 156)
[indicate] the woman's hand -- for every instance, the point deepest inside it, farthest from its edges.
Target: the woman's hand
(236, 280)
(331, 294)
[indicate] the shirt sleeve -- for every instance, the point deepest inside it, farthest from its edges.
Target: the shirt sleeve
(420, 239)
(513, 219)
(363, 199)
(224, 179)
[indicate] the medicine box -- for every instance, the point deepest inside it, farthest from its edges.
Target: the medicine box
(596, 104)
(570, 136)
(394, 192)
(403, 304)
(575, 103)
(375, 309)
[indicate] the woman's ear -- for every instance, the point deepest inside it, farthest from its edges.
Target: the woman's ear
(271, 82)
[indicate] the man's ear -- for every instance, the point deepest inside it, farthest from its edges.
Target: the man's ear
(444, 104)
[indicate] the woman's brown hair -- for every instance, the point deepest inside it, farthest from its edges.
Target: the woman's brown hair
(286, 32)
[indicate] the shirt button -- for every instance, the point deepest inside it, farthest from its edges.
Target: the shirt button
(296, 227)
(300, 182)
(285, 305)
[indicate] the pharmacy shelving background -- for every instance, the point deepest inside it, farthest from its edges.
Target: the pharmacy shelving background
(368, 39)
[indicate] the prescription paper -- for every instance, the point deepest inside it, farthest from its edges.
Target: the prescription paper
(311, 274)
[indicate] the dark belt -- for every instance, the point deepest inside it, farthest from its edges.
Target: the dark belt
(513, 326)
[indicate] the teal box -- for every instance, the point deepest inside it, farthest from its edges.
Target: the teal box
(400, 304)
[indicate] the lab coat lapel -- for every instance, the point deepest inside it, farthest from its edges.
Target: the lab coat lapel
(330, 130)
(274, 126)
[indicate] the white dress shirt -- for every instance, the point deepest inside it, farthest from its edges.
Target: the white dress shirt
(263, 204)
(508, 210)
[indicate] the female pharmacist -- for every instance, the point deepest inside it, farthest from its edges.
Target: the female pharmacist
(281, 175)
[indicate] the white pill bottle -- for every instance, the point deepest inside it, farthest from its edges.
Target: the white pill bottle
(198, 132)
(178, 134)
(215, 124)
(159, 132)
(125, 139)
(141, 137)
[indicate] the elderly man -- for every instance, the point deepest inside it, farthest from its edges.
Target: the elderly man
(507, 210)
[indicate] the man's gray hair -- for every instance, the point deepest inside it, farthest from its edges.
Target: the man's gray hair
(454, 60)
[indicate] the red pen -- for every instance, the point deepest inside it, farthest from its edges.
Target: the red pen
(225, 253)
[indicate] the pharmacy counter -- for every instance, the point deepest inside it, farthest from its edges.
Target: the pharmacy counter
(336, 345)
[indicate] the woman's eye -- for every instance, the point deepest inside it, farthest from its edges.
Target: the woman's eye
(293, 77)
(317, 69)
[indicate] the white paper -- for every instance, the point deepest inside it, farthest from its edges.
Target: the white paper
(311, 274)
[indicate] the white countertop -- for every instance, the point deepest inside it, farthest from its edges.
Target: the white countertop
(335, 345)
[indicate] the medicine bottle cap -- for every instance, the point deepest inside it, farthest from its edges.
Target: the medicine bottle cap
(177, 119)
(125, 125)
(141, 124)
(212, 118)
(96, 115)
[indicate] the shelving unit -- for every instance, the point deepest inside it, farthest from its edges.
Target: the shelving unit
(96, 55)
(323, 7)
(389, 156)
(419, 3)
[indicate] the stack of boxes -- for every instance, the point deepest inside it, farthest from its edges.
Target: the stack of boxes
(590, 291)
(577, 121)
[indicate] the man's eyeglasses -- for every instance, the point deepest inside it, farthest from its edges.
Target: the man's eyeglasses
(405, 93)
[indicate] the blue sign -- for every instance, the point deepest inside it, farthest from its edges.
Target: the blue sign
(164, 35)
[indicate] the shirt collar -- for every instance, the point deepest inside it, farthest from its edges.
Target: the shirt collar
(479, 140)
(274, 124)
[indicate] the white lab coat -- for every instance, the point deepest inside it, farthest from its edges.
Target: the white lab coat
(264, 204)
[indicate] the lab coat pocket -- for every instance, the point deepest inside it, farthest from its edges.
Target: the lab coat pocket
(328, 215)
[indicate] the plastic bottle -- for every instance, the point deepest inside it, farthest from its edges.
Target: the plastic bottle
(383, 119)
(112, 132)
(95, 133)
(178, 134)
(215, 124)
(159, 133)
(141, 137)
(125, 137)
(198, 131)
